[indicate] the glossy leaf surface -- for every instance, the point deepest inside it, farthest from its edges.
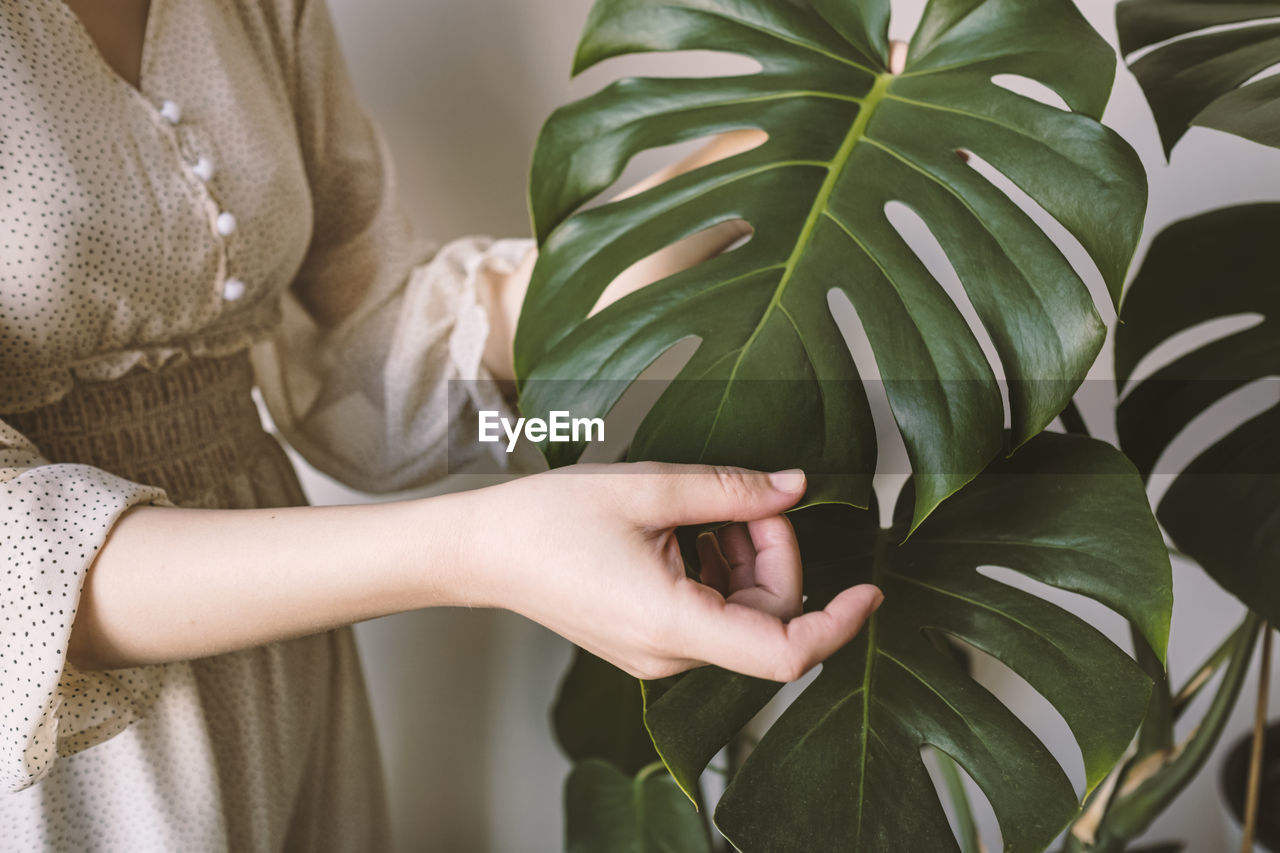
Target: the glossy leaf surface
(599, 713)
(1198, 76)
(609, 811)
(1224, 508)
(843, 761)
(772, 383)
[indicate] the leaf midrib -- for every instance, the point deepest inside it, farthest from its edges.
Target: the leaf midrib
(857, 132)
(879, 558)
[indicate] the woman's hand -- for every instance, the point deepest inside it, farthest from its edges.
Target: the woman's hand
(590, 552)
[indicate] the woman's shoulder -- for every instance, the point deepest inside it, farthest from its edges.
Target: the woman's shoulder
(285, 26)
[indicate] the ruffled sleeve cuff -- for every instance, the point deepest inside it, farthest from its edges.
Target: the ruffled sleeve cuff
(388, 401)
(472, 260)
(53, 521)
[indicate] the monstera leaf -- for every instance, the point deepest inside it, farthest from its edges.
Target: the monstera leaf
(599, 713)
(1202, 78)
(841, 768)
(1224, 508)
(611, 812)
(772, 383)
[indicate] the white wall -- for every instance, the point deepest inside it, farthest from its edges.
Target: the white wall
(461, 697)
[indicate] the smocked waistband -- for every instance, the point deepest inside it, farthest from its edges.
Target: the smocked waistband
(185, 428)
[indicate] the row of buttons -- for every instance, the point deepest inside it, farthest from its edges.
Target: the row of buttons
(225, 223)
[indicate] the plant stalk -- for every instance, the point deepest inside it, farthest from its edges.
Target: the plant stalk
(1259, 743)
(967, 827)
(1202, 676)
(1138, 803)
(1072, 420)
(1156, 733)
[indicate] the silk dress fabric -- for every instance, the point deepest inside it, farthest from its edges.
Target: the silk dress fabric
(229, 223)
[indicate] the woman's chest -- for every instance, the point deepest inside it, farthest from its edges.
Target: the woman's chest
(134, 218)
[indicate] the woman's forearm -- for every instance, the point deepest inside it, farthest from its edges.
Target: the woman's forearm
(588, 551)
(171, 584)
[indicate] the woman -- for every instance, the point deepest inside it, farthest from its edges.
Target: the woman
(191, 205)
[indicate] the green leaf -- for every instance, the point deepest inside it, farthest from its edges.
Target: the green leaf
(772, 383)
(1199, 78)
(843, 761)
(607, 811)
(1224, 508)
(599, 713)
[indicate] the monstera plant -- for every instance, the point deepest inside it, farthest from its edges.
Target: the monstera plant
(1201, 73)
(773, 383)
(1222, 509)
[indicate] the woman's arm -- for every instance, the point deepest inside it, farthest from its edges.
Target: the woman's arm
(588, 551)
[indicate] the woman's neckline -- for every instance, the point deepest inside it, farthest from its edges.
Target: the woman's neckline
(89, 43)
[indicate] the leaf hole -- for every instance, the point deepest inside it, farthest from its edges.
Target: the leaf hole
(1036, 712)
(1106, 620)
(648, 168)
(683, 254)
(1033, 89)
(1134, 56)
(1075, 253)
(1207, 428)
(687, 64)
(893, 466)
(915, 232)
(622, 422)
(984, 815)
(1262, 75)
(1191, 338)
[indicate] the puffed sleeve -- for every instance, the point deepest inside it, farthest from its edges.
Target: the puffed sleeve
(53, 520)
(375, 374)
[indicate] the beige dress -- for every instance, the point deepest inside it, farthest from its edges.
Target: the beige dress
(228, 224)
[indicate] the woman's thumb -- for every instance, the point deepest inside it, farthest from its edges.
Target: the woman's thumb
(701, 494)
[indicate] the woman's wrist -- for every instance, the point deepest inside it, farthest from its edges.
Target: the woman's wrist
(501, 294)
(474, 563)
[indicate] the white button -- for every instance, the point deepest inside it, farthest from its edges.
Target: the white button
(171, 112)
(203, 169)
(232, 289)
(226, 224)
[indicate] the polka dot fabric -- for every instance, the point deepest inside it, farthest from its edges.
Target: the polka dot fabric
(233, 215)
(49, 525)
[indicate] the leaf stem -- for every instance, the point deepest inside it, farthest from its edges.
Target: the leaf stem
(1156, 733)
(1139, 801)
(1072, 420)
(1259, 742)
(967, 827)
(1202, 676)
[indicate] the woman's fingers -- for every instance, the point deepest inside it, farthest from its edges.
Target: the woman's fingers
(756, 643)
(740, 554)
(897, 56)
(777, 566)
(713, 568)
(670, 496)
(764, 566)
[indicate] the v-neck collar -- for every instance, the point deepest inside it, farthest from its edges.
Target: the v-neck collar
(88, 43)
